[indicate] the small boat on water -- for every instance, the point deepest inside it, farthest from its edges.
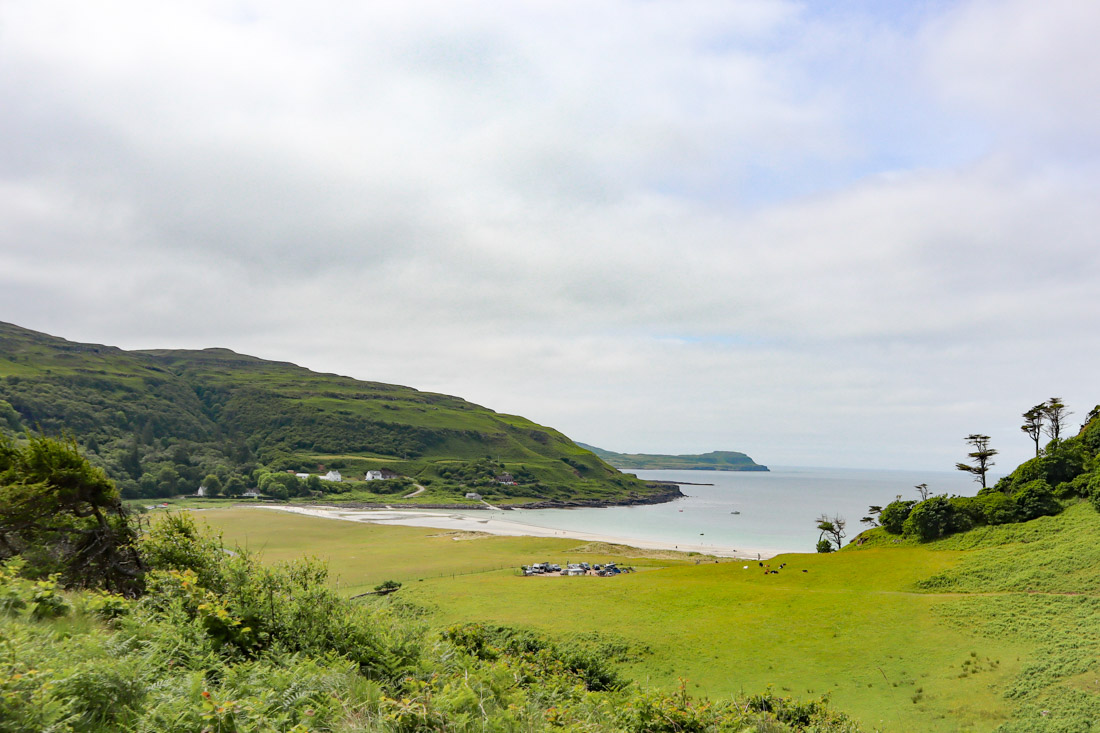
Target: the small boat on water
(735, 512)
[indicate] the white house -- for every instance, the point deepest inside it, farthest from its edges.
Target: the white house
(473, 495)
(302, 476)
(332, 476)
(373, 476)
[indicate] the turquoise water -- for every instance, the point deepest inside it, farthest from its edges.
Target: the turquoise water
(778, 509)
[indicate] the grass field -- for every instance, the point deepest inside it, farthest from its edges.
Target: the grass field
(361, 556)
(1000, 628)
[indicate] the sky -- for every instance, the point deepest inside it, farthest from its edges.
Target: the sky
(842, 233)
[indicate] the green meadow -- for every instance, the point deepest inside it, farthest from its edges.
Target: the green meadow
(998, 628)
(360, 556)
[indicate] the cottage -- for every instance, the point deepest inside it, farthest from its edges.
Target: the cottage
(302, 476)
(507, 479)
(251, 494)
(332, 476)
(380, 475)
(473, 495)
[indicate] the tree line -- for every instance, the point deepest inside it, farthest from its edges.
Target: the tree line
(1065, 469)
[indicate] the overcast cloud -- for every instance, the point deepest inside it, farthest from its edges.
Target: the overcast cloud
(845, 237)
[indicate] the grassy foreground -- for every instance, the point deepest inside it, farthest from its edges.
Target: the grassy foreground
(994, 629)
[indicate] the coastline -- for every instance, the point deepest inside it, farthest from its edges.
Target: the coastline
(501, 526)
(669, 491)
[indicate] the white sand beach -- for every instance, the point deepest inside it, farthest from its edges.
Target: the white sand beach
(497, 525)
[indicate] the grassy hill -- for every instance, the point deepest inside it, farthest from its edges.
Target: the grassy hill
(719, 460)
(162, 421)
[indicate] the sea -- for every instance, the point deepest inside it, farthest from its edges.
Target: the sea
(758, 511)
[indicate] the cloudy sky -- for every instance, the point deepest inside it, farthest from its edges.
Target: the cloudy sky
(841, 233)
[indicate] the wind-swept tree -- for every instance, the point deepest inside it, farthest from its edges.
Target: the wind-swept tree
(982, 455)
(1055, 413)
(922, 489)
(1033, 424)
(872, 517)
(64, 515)
(832, 532)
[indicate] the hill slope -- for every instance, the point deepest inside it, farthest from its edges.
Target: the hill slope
(719, 460)
(161, 421)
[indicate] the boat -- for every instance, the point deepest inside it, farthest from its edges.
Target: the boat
(735, 512)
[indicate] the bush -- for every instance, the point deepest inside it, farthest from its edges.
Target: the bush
(968, 512)
(174, 542)
(47, 601)
(1061, 461)
(930, 519)
(824, 545)
(894, 514)
(1079, 486)
(1035, 499)
(998, 508)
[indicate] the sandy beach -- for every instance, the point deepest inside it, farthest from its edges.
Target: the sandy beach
(442, 519)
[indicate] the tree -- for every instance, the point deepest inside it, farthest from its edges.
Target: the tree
(1055, 413)
(168, 481)
(1033, 424)
(922, 489)
(832, 530)
(63, 515)
(873, 513)
(1093, 414)
(213, 484)
(131, 462)
(982, 455)
(235, 485)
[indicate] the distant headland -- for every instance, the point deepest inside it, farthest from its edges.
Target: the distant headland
(719, 460)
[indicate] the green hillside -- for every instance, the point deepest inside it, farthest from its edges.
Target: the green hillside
(719, 460)
(163, 422)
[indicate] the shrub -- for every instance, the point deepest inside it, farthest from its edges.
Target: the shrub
(894, 514)
(387, 587)
(932, 518)
(174, 542)
(1035, 499)
(1079, 486)
(103, 694)
(968, 512)
(824, 545)
(47, 601)
(998, 508)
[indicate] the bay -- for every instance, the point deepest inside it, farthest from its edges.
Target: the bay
(766, 512)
